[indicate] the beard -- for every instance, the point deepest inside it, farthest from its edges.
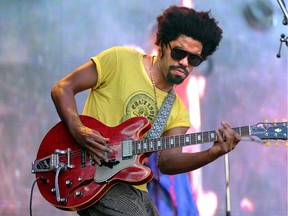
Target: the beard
(176, 79)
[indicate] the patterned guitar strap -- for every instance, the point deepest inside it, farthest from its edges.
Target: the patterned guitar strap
(160, 122)
(162, 116)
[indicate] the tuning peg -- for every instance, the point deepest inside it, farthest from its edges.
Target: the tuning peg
(267, 143)
(276, 143)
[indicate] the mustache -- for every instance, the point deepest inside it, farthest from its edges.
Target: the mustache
(173, 67)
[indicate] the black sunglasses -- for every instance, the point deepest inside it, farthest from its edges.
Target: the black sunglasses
(193, 58)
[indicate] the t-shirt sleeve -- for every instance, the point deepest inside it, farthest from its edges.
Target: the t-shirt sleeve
(106, 65)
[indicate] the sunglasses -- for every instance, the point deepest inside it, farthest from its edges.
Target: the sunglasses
(177, 54)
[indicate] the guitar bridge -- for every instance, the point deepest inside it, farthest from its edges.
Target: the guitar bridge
(51, 162)
(45, 164)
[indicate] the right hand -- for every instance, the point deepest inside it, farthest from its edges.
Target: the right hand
(92, 141)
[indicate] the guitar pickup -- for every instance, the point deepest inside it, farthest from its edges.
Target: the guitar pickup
(127, 149)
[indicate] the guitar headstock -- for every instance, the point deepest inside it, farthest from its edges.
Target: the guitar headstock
(271, 131)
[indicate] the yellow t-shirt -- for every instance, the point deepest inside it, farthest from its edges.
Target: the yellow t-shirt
(124, 90)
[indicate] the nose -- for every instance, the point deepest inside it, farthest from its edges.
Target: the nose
(184, 61)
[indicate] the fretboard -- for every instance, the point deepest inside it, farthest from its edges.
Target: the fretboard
(161, 143)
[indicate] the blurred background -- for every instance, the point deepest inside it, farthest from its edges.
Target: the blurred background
(243, 83)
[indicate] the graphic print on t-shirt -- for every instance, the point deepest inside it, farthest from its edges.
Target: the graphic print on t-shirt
(140, 104)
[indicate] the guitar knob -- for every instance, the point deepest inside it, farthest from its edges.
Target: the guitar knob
(78, 194)
(68, 183)
(63, 200)
(53, 190)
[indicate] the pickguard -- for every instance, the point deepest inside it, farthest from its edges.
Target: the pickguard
(104, 172)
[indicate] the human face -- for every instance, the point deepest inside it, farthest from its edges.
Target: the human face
(184, 54)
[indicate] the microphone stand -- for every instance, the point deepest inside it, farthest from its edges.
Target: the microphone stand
(284, 10)
(285, 22)
(227, 181)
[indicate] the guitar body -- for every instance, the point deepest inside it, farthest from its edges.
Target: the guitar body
(83, 183)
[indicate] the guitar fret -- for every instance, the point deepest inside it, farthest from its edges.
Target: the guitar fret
(177, 142)
(187, 139)
(151, 145)
(205, 137)
(212, 136)
(190, 138)
(240, 131)
(199, 138)
(172, 143)
(193, 138)
(246, 130)
(159, 147)
(144, 146)
(181, 140)
(163, 142)
(166, 139)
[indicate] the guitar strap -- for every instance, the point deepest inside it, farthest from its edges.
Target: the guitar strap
(162, 116)
(158, 127)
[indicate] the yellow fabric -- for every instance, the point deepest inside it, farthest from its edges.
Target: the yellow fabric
(124, 90)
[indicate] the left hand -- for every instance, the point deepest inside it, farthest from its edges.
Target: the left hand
(223, 146)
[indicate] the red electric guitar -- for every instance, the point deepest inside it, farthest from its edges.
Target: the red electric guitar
(72, 181)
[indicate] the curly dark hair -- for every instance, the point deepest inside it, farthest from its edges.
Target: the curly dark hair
(200, 26)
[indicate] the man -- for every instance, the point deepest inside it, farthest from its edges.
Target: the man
(124, 83)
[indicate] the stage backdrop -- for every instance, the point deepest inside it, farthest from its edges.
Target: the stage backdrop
(243, 84)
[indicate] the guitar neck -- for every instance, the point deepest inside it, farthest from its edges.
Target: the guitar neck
(161, 143)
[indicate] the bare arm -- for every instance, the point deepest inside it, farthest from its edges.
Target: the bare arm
(63, 95)
(173, 161)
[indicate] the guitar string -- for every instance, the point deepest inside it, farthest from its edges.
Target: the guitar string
(165, 142)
